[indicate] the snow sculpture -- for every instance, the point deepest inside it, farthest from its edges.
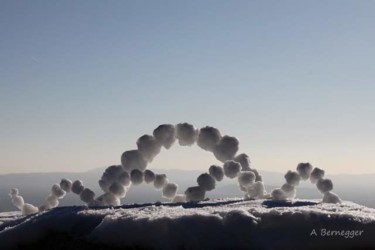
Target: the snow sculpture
(117, 179)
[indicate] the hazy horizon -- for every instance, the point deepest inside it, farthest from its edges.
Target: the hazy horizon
(81, 81)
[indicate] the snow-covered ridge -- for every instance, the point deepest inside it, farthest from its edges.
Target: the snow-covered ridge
(225, 223)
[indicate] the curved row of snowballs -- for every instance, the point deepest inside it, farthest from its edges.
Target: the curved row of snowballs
(117, 179)
(304, 172)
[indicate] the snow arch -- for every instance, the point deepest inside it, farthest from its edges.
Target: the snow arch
(304, 172)
(117, 179)
(134, 163)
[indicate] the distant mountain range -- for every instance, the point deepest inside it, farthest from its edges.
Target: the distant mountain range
(34, 187)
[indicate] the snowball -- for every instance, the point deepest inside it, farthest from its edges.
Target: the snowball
(217, 172)
(117, 189)
(165, 134)
(278, 194)
(292, 178)
(226, 149)
(124, 179)
(160, 181)
(206, 181)
(51, 202)
(246, 178)
(149, 176)
(29, 209)
(195, 193)
(107, 199)
(133, 159)
(66, 185)
(17, 201)
(57, 191)
(77, 187)
(136, 177)
(289, 190)
(231, 169)
(186, 134)
(316, 175)
(14, 191)
(179, 198)
(170, 190)
(112, 173)
(257, 190)
(244, 160)
(330, 197)
(208, 138)
(304, 170)
(87, 195)
(148, 146)
(324, 185)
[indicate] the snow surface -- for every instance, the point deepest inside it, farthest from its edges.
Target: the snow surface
(212, 224)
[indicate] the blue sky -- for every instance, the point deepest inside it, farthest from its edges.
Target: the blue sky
(80, 81)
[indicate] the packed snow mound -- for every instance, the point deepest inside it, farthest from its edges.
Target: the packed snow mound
(225, 223)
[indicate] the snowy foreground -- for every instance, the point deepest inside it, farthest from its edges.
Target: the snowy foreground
(218, 224)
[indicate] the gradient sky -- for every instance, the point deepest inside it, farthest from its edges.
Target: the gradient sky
(80, 81)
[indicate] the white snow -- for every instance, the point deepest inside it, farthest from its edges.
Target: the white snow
(225, 223)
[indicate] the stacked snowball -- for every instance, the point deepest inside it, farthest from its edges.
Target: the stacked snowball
(18, 201)
(305, 171)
